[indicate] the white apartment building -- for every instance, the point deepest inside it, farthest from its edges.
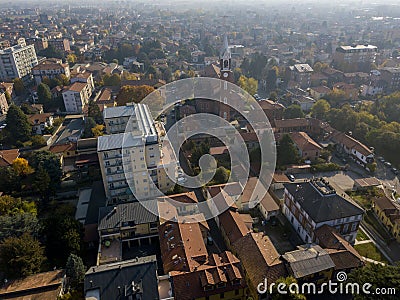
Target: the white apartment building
(134, 160)
(84, 77)
(50, 69)
(17, 62)
(116, 118)
(76, 96)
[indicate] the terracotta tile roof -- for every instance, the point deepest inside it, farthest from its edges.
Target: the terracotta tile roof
(298, 122)
(304, 142)
(60, 148)
(321, 89)
(268, 203)
(233, 225)
(280, 177)
(34, 287)
(218, 150)
(351, 143)
(49, 66)
(8, 156)
(105, 96)
(270, 105)
(76, 87)
(39, 118)
(264, 261)
(342, 253)
(182, 246)
(231, 188)
(221, 268)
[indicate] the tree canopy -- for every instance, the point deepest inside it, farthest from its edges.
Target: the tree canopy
(320, 109)
(75, 270)
(250, 85)
(293, 111)
(134, 94)
(21, 256)
(287, 152)
(18, 127)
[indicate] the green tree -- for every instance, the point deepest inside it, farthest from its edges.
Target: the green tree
(378, 276)
(64, 236)
(19, 86)
(133, 94)
(95, 113)
(21, 256)
(42, 181)
(9, 180)
(221, 175)
(286, 282)
(293, 111)
(44, 94)
(75, 270)
(38, 141)
(17, 225)
(287, 152)
(113, 80)
(320, 109)
(12, 206)
(18, 127)
(8, 97)
(90, 123)
(51, 164)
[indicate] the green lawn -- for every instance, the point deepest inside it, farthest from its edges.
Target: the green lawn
(369, 250)
(361, 236)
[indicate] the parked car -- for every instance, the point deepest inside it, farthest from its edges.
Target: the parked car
(210, 240)
(395, 171)
(291, 177)
(381, 159)
(387, 164)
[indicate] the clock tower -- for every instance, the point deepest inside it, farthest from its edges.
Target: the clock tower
(225, 64)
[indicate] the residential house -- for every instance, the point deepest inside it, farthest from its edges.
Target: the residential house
(42, 286)
(307, 148)
(351, 91)
(40, 122)
(273, 110)
(3, 102)
(60, 45)
(388, 212)
(194, 273)
(300, 74)
(357, 150)
(268, 207)
(84, 77)
(342, 253)
(76, 97)
(319, 92)
(129, 279)
(8, 156)
(309, 263)
(127, 223)
(311, 204)
(50, 68)
(260, 261)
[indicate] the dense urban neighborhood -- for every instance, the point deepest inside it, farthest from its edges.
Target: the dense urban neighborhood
(95, 201)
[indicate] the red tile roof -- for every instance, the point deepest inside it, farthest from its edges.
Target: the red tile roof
(8, 156)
